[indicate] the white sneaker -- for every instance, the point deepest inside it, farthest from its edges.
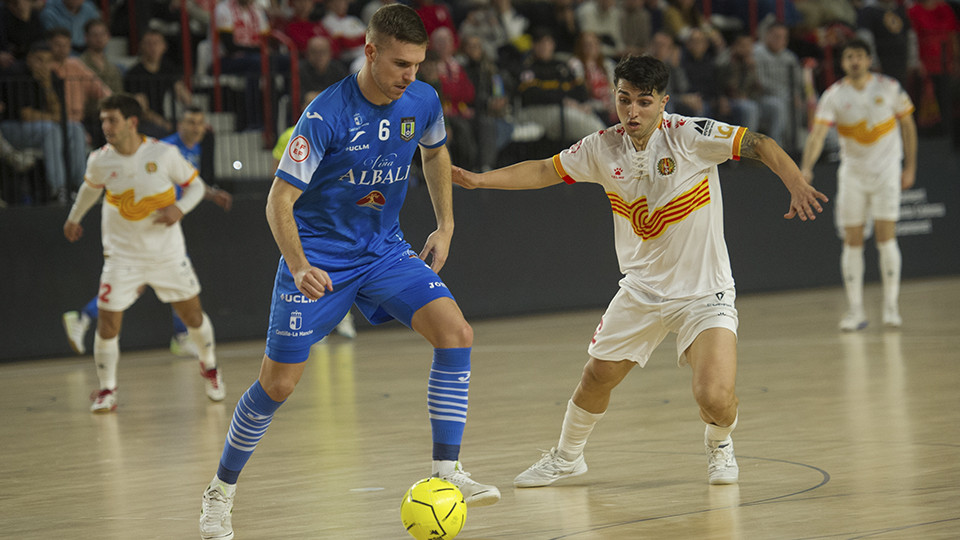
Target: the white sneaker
(474, 493)
(181, 345)
(76, 326)
(215, 511)
(722, 466)
(891, 317)
(549, 469)
(216, 391)
(104, 401)
(345, 328)
(853, 321)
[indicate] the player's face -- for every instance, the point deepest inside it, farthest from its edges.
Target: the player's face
(117, 129)
(393, 65)
(855, 62)
(192, 127)
(639, 113)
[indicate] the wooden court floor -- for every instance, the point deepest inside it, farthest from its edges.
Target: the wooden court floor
(840, 435)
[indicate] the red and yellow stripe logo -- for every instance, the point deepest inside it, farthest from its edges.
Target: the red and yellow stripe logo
(134, 210)
(863, 135)
(651, 225)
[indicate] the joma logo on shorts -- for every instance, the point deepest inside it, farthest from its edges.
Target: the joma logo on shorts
(296, 299)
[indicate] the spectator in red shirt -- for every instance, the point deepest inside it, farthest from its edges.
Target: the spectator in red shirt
(304, 25)
(436, 15)
(937, 41)
(348, 33)
(457, 95)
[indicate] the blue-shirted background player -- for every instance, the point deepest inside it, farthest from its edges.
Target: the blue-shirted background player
(333, 210)
(190, 131)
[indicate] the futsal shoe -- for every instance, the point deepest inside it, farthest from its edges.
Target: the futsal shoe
(474, 493)
(853, 321)
(549, 469)
(891, 317)
(216, 509)
(183, 346)
(76, 326)
(722, 466)
(216, 391)
(345, 328)
(104, 401)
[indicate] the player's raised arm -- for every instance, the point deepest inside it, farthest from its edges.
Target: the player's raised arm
(436, 172)
(804, 199)
(311, 281)
(533, 174)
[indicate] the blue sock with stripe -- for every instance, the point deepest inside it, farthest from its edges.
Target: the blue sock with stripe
(178, 326)
(447, 392)
(250, 421)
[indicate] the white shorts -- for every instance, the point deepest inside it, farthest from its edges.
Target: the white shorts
(863, 196)
(173, 281)
(634, 324)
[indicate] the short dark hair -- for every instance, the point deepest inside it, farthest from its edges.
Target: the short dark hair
(856, 43)
(193, 109)
(645, 72)
(58, 31)
(123, 102)
(95, 22)
(399, 22)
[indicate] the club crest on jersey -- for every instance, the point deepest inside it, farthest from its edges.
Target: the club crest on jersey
(298, 149)
(374, 200)
(151, 167)
(408, 127)
(666, 166)
(357, 119)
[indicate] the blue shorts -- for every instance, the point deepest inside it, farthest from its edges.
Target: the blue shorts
(392, 288)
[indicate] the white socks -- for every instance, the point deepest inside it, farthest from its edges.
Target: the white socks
(890, 263)
(106, 355)
(577, 425)
(203, 338)
(851, 266)
(715, 434)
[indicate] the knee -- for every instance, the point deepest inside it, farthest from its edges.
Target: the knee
(279, 389)
(598, 376)
(716, 400)
(460, 335)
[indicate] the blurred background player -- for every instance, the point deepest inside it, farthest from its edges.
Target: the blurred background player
(142, 239)
(872, 114)
(190, 132)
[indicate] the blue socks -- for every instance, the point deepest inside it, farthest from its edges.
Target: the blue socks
(178, 326)
(447, 400)
(250, 421)
(91, 309)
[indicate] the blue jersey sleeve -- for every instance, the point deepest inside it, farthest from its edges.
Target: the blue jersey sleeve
(311, 139)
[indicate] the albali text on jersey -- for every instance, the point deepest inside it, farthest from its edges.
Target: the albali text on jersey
(136, 186)
(352, 160)
(666, 202)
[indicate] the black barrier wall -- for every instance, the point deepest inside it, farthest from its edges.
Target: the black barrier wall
(512, 253)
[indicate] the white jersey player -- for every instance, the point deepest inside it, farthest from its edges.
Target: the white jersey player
(660, 174)
(872, 115)
(142, 239)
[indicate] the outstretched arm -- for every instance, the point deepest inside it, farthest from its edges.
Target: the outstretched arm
(804, 200)
(436, 172)
(532, 174)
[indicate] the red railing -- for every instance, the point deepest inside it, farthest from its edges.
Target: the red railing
(267, 77)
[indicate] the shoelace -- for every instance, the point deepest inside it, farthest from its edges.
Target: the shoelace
(721, 455)
(639, 162)
(212, 511)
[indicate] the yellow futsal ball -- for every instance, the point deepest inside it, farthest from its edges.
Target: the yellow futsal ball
(433, 509)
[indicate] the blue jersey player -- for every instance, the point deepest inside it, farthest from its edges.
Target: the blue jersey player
(333, 210)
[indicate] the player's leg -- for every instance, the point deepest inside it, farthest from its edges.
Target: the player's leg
(890, 264)
(180, 342)
(176, 283)
(251, 418)
(852, 216)
(713, 359)
(106, 356)
(628, 332)
(76, 323)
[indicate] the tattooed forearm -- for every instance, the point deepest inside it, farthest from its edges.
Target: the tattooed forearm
(748, 146)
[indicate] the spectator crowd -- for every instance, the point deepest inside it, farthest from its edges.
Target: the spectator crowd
(506, 70)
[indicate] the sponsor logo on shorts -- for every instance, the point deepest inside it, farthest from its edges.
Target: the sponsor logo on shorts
(296, 320)
(296, 299)
(720, 296)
